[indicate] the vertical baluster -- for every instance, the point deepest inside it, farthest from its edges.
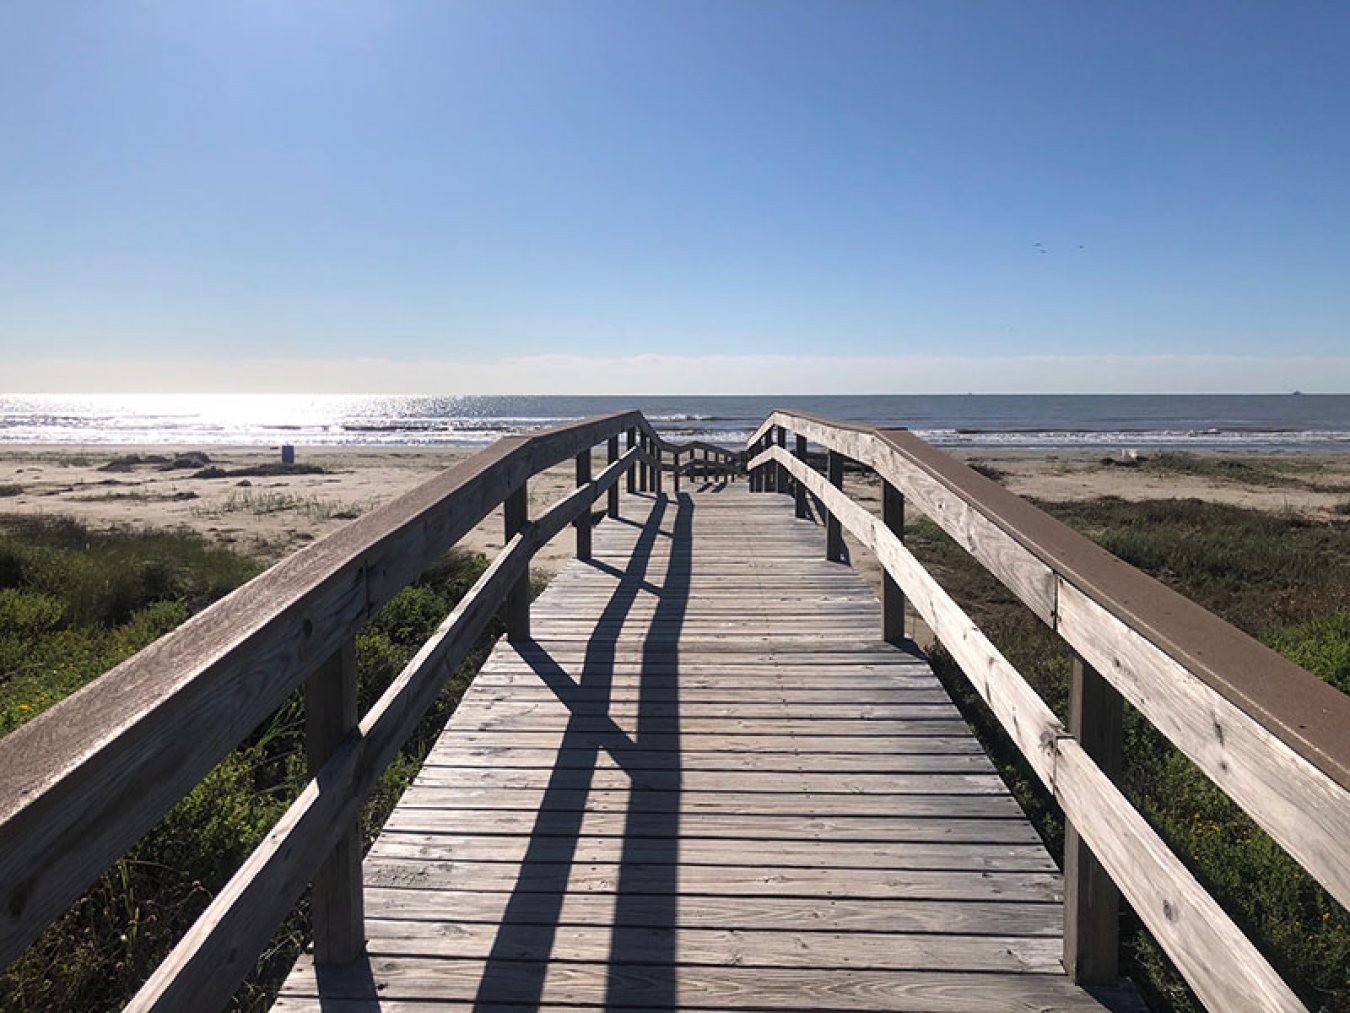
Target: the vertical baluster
(583, 523)
(612, 455)
(1091, 899)
(892, 598)
(516, 510)
(834, 533)
(780, 476)
(771, 470)
(801, 486)
(630, 441)
(336, 901)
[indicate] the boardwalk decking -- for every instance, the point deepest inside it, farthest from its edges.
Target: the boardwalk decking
(706, 784)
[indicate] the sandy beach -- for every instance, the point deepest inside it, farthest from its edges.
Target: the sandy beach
(228, 494)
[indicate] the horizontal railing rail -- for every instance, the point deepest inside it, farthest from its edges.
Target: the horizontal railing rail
(1271, 735)
(82, 782)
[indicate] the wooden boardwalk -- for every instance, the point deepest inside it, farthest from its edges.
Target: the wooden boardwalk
(705, 784)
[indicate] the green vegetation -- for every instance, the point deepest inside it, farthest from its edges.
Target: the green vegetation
(73, 603)
(1278, 472)
(179, 462)
(267, 470)
(1283, 579)
(313, 508)
(989, 471)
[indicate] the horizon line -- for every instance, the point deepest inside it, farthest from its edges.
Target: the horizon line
(655, 374)
(675, 394)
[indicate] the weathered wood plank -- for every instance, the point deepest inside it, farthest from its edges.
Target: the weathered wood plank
(210, 961)
(728, 987)
(679, 804)
(677, 771)
(715, 947)
(942, 781)
(1309, 814)
(936, 757)
(726, 880)
(829, 914)
(1219, 962)
(1038, 558)
(335, 895)
(83, 781)
(451, 846)
(1091, 899)
(721, 827)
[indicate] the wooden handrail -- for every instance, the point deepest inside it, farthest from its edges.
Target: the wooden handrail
(1270, 734)
(1134, 630)
(82, 782)
(208, 964)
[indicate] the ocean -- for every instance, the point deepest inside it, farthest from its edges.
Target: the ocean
(1107, 422)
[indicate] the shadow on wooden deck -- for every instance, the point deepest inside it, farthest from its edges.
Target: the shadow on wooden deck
(645, 905)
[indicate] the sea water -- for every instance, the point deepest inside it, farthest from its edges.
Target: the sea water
(1200, 422)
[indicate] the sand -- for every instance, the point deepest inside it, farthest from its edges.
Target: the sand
(270, 516)
(267, 516)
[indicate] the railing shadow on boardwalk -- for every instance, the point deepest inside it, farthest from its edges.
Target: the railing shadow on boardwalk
(643, 941)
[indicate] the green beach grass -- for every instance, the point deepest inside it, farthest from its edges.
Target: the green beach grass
(73, 603)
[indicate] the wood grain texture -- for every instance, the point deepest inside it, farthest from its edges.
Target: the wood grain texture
(664, 791)
(83, 781)
(1307, 812)
(1091, 900)
(1219, 962)
(726, 986)
(1037, 557)
(335, 896)
(210, 961)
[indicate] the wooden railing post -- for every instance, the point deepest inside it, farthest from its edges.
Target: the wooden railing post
(657, 478)
(630, 441)
(336, 905)
(892, 598)
(516, 511)
(675, 473)
(1091, 899)
(583, 523)
(801, 486)
(771, 469)
(834, 532)
(612, 455)
(781, 478)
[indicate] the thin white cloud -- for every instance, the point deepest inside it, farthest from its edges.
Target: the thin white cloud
(713, 374)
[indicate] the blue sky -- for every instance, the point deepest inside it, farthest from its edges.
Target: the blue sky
(465, 189)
